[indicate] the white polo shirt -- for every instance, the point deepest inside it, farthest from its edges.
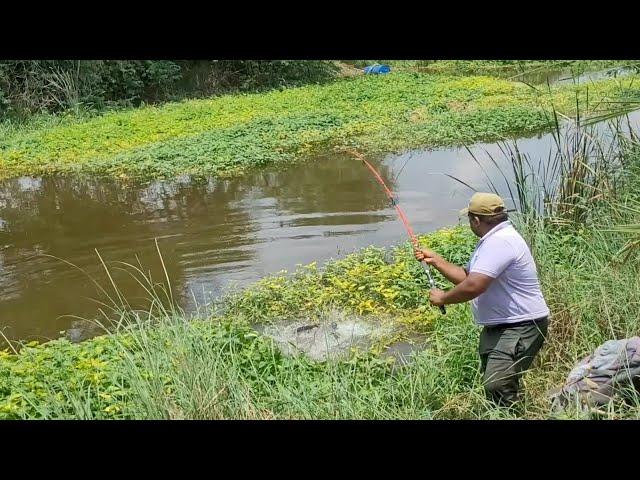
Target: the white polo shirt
(514, 295)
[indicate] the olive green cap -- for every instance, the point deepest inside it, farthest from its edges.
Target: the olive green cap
(484, 204)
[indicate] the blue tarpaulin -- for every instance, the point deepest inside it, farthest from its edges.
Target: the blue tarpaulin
(377, 69)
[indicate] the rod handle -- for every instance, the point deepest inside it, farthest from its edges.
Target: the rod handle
(433, 284)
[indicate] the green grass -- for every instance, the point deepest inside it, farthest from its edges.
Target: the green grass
(224, 136)
(223, 370)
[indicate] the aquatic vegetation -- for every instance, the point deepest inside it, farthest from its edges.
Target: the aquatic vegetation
(226, 135)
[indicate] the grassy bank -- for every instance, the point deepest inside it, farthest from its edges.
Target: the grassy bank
(226, 135)
(222, 371)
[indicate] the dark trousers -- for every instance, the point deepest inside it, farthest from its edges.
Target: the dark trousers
(506, 351)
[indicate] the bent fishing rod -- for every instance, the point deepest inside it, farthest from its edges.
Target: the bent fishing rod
(403, 217)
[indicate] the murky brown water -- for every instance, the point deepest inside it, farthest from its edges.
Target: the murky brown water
(213, 234)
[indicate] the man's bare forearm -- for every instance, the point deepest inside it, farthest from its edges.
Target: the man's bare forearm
(454, 273)
(473, 285)
(461, 293)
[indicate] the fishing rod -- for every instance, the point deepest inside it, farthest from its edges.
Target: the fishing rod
(401, 214)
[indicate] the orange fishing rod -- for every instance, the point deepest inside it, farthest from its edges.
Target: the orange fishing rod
(403, 217)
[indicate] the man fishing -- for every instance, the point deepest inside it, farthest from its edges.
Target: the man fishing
(501, 282)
